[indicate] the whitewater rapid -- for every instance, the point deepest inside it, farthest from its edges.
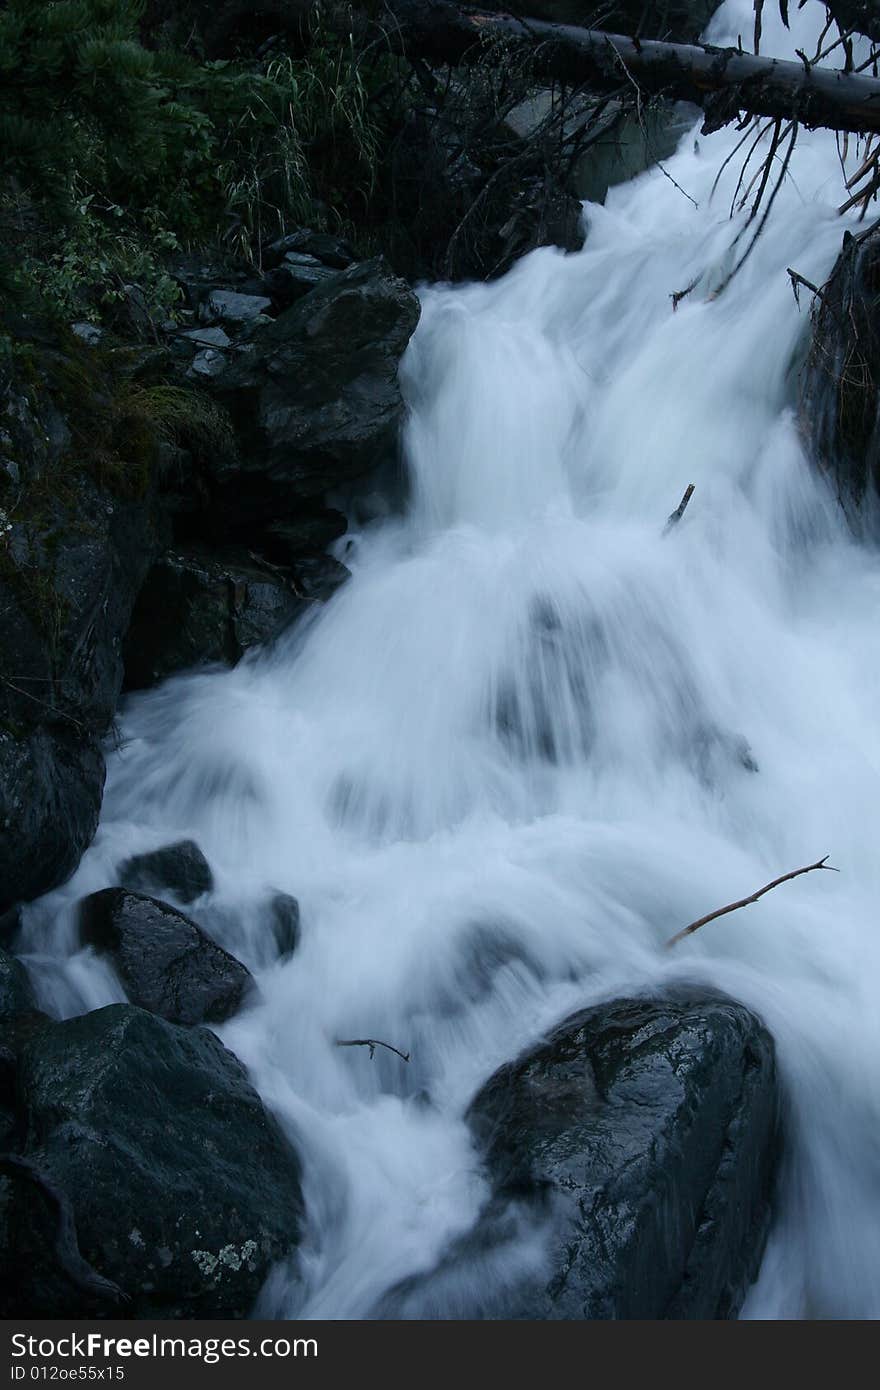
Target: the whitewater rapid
(534, 736)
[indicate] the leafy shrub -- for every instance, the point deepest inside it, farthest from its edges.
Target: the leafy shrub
(113, 155)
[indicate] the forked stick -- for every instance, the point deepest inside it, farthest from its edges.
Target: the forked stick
(744, 902)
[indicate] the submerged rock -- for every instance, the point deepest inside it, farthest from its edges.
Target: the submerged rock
(642, 1138)
(180, 869)
(167, 964)
(285, 922)
(180, 1190)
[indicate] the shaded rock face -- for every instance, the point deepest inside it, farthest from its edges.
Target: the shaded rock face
(19, 1019)
(840, 402)
(642, 1139)
(51, 784)
(167, 964)
(73, 554)
(180, 869)
(197, 608)
(181, 1188)
(317, 401)
(16, 994)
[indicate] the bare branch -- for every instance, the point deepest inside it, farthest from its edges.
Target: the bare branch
(744, 902)
(372, 1044)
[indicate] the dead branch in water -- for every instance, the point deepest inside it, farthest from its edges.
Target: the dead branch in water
(677, 515)
(753, 898)
(796, 282)
(372, 1044)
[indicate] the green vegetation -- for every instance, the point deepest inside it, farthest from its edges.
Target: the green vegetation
(113, 155)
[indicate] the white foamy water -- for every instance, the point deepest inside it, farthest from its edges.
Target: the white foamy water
(533, 737)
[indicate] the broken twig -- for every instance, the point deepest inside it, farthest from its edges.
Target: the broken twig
(753, 898)
(677, 515)
(798, 280)
(372, 1044)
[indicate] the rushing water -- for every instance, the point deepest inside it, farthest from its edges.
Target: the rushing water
(534, 736)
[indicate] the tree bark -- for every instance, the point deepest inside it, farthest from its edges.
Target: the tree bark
(721, 80)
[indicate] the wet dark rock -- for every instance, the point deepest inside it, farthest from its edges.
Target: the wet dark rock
(181, 1189)
(167, 964)
(19, 1019)
(51, 785)
(10, 923)
(196, 608)
(317, 401)
(16, 993)
(78, 546)
(180, 869)
(642, 1137)
(318, 578)
(311, 531)
(285, 923)
(840, 402)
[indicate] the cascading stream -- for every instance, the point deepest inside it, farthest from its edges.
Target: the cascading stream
(533, 737)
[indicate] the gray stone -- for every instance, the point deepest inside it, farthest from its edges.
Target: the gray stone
(88, 333)
(208, 364)
(641, 1138)
(234, 308)
(167, 964)
(318, 401)
(196, 608)
(208, 337)
(181, 1191)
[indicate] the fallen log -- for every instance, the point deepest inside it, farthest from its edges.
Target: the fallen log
(724, 81)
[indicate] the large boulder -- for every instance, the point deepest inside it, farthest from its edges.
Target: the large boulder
(642, 1138)
(197, 608)
(51, 785)
(167, 964)
(150, 1180)
(19, 1017)
(840, 401)
(77, 531)
(316, 401)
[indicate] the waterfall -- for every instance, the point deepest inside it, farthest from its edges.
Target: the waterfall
(536, 734)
